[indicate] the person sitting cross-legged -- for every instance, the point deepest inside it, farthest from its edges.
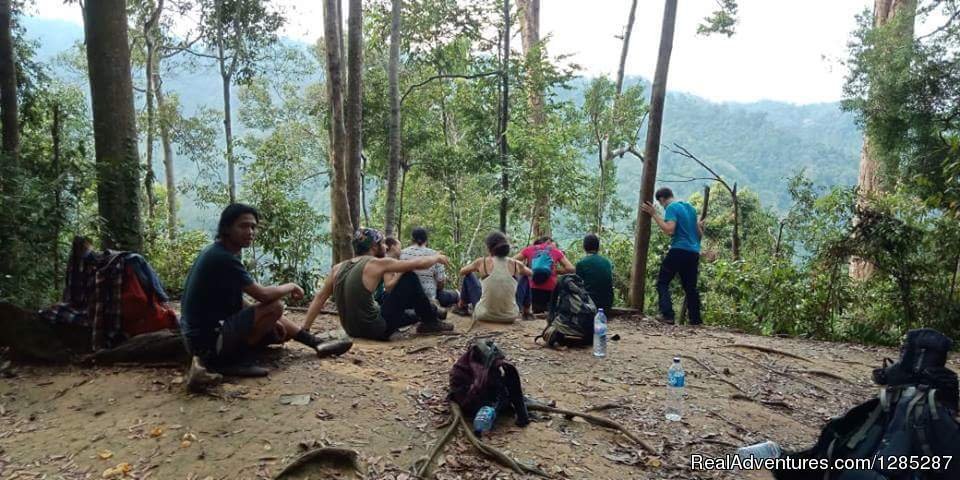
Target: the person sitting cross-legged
(219, 329)
(596, 272)
(355, 285)
(432, 278)
(496, 298)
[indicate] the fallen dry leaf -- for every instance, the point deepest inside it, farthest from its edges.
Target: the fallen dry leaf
(118, 471)
(156, 432)
(104, 454)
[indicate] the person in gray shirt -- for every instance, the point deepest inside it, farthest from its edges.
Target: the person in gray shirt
(432, 279)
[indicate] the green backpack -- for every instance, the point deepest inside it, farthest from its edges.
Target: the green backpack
(570, 323)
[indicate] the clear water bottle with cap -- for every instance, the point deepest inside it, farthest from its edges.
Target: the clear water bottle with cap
(600, 334)
(676, 380)
(483, 421)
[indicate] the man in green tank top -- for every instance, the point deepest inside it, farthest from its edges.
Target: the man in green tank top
(354, 283)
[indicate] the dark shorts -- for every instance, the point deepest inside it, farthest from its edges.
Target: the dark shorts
(541, 300)
(232, 340)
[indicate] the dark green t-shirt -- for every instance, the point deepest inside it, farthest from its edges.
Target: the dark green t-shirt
(597, 273)
(213, 292)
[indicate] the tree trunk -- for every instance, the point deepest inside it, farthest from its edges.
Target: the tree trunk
(626, 46)
(168, 167)
(340, 223)
(504, 117)
(10, 157)
(149, 177)
(869, 182)
(533, 53)
(403, 186)
(114, 124)
(55, 136)
(354, 108)
(393, 74)
(226, 74)
(8, 89)
(735, 245)
(651, 155)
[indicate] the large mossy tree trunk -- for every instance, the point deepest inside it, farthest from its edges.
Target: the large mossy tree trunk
(114, 124)
(10, 155)
(533, 54)
(354, 109)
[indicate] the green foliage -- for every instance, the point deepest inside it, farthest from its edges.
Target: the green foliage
(722, 20)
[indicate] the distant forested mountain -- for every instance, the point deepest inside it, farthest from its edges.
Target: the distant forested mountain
(757, 144)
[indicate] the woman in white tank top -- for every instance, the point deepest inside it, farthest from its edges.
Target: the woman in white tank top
(498, 301)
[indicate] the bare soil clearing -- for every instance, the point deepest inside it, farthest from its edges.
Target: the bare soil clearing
(387, 402)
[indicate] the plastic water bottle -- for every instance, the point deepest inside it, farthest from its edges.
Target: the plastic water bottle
(600, 334)
(768, 449)
(483, 421)
(676, 379)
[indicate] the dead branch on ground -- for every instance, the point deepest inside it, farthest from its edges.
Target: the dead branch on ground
(599, 421)
(334, 455)
(767, 350)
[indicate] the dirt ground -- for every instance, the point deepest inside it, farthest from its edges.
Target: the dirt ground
(387, 401)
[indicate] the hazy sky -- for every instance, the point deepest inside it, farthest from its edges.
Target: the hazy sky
(788, 51)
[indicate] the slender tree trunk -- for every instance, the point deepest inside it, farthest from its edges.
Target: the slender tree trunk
(601, 197)
(168, 167)
(393, 78)
(504, 117)
(9, 117)
(354, 108)
(869, 182)
(114, 124)
(149, 178)
(226, 74)
(341, 225)
(651, 155)
(403, 186)
(533, 53)
(626, 46)
(58, 190)
(735, 245)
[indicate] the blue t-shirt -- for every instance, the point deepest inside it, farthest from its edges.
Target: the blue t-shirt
(685, 236)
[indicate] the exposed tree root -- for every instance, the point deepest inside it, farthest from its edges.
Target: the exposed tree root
(728, 382)
(767, 350)
(702, 364)
(344, 456)
(823, 374)
(600, 421)
(607, 406)
(422, 466)
(492, 452)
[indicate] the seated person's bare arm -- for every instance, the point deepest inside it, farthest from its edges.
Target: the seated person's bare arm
(522, 269)
(377, 268)
(471, 267)
(273, 293)
(320, 299)
(565, 266)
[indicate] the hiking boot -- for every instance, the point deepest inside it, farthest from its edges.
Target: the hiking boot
(463, 311)
(199, 379)
(441, 313)
(334, 348)
(434, 327)
(528, 316)
(665, 320)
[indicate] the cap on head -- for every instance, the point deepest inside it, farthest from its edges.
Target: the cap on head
(364, 239)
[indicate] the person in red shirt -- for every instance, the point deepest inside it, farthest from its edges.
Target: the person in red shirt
(541, 290)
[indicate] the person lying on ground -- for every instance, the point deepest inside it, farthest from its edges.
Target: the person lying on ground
(542, 283)
(354, 283)
(218, 327)
(432, 279)
(680, 222)
(495, 298)
(596, 272)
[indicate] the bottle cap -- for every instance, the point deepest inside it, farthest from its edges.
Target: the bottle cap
(676, 359)
(599, 310)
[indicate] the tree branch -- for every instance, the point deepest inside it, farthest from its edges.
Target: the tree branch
(451, 75)
(716, 177)
(943, 27)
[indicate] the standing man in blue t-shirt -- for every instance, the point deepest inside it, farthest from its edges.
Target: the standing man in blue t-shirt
(680, 222)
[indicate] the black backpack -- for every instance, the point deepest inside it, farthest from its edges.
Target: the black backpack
(570, 322)
(911, 420)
